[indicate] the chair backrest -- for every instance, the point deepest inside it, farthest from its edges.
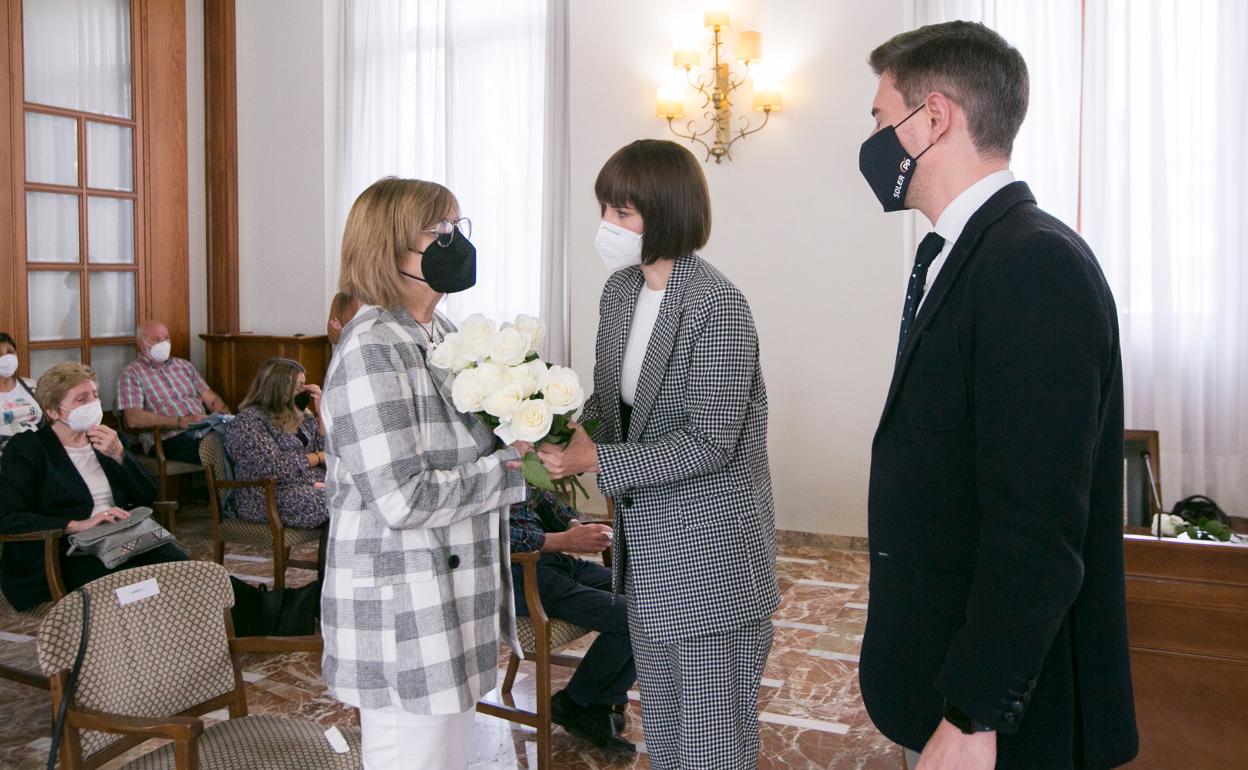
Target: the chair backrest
(155, 656)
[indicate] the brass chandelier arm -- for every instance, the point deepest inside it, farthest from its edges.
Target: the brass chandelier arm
(693, 135)
(746, 131)
(700, 87)
(736, 82)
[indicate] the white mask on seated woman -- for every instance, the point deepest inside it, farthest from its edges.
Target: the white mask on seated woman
(8, 365)
(85, 417)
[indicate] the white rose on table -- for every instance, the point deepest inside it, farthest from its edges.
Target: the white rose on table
(562, 390)
(502, 402)
(450, 354)
(528, 377)
(477, 332)
(533, 329)
(531, 421)
(509, 347)
(468, 391)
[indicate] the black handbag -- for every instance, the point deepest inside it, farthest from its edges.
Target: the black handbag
(1198, 508)
(258, 611)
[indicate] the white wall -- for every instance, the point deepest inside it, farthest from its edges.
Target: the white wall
(282, 164)
(795, 226)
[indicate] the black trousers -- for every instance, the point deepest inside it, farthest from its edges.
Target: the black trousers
(182, 448)
(579, 592)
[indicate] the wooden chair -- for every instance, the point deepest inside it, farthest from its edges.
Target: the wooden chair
(271, 534)
(17, 661)
(153, 666)
(166, 472)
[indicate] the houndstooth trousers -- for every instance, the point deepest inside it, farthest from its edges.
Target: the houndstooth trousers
(699, 696)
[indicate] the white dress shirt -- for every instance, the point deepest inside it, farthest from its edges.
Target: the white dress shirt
(953, 219)
(644, 318)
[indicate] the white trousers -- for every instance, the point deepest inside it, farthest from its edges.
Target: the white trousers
(394, 739)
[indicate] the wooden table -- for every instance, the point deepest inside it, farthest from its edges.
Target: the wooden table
(233, 359)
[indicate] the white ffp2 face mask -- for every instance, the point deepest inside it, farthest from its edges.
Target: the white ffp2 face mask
(618, 248)
(159, 352)
(8, 365)
(85, 417)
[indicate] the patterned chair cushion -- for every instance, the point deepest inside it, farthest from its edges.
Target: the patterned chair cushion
(262, 743)
(562, 633)
(254, 533)
(172, 467)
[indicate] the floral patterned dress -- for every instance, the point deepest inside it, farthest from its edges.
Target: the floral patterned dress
(259, 450)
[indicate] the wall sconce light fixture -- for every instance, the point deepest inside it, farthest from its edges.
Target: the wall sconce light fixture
(716, 88)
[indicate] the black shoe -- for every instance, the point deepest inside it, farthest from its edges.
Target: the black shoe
(587, 724)
(618, 718)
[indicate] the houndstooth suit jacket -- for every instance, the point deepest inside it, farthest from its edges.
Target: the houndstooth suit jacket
(418, 571)
(695, 521)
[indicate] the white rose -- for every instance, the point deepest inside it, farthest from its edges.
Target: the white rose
(491, 376)
(528, 376)
(562, 390)
(502, 402)
(533, 329)
(468, 391)
(530, 421)
(477, 331)
(449, 354)
(509, 347)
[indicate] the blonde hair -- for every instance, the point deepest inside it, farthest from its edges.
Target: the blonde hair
(384, 224)
(273, 390)
(59, 380)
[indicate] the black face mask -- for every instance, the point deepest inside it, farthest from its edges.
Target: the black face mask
(303, 400)
(448, 269)
(887, 167)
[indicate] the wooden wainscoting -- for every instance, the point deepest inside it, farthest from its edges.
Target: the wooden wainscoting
(1187, 609)
(233, 359)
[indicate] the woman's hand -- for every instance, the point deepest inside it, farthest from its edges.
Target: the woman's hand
(314, 391)
(523, 447)
(318, 485)
(579, 455)
(104, 440)
(103, 517)
(315, 459)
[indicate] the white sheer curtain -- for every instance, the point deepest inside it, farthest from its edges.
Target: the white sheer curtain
(1152, 179)
(1164, 207)
(462, 94)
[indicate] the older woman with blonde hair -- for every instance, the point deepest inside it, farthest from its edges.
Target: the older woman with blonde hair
(418, 568)
(275, 436)
(71, 474)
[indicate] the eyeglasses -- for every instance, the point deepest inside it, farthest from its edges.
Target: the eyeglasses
(444, 231)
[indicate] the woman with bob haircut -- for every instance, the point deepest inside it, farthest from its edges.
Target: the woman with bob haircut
(418, 572)
(682, 451)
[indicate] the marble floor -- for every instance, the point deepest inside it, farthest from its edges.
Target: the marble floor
(811, 710)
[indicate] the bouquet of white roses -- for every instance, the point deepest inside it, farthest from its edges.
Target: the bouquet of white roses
(497, 375)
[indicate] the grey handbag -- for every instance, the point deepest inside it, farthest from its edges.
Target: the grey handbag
(118, 541)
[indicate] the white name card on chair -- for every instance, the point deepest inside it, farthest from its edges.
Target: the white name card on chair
(136, 592)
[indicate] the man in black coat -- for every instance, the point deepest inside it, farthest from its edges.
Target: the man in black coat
(996, 634)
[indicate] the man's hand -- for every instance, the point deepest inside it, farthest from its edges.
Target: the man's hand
(586, 538)
(951, 749)
(104, 440)
(580, 455)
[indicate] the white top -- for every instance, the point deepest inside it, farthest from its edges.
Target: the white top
(953, 219)
(644, 319)
(18, 410)
(92, 472)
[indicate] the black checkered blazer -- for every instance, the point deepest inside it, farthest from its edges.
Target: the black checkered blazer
(695, 522)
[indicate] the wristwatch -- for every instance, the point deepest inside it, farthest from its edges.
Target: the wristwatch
(964, 722)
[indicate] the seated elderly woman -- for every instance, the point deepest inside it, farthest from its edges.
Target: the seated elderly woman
(274, 436)
(19, 409)
(71, 474)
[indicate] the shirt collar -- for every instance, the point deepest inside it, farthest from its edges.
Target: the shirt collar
(955, 216)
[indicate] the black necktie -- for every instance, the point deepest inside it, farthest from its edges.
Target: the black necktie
(929, 249)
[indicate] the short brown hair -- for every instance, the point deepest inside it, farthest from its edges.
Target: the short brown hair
(665, 183)
(53, 384)
(384, 224)
(273, 390)
(973, 66)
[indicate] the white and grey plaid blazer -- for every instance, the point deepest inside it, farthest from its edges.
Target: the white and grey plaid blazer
(695, 521)
(418, 571)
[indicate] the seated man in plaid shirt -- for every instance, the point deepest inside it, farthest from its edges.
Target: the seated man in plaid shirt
(157, 391)
(578, 591)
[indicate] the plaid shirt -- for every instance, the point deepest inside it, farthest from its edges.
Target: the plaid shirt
(530, 521)
(418, 575)
(172, 389)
